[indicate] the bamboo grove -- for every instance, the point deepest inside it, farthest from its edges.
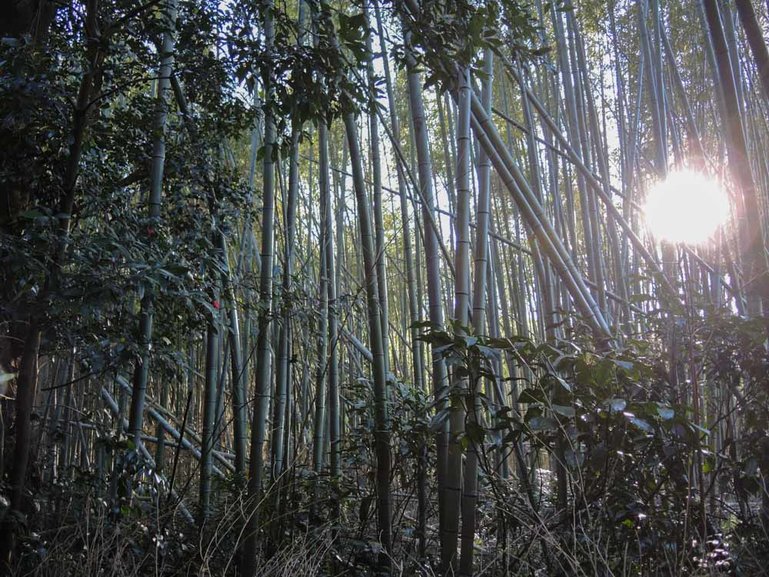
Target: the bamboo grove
(326, 288)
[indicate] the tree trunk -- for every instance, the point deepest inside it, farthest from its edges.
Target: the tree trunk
(381, 418)
(141, 369)
(750, 231)
(263, 354)
(755, 37)
(432, 266)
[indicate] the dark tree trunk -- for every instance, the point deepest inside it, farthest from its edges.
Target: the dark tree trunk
(756, 41)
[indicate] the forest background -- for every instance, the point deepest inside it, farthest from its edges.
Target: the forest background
(329, 288)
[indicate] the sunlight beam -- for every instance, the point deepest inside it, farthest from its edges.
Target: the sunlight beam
(687, 207)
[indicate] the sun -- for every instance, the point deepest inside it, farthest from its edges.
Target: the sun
(687, 207)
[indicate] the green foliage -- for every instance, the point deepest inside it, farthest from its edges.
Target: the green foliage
(312, 67)
(627, 443)
(451, 34)
(112, 249)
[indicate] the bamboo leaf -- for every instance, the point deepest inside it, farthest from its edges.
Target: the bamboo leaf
(564, 410)
(542, 424)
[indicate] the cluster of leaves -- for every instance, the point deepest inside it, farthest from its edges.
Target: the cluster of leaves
(625, 449)
(444, 35)
(311, 67)
(734, 351)
(624, 441)
(113, 249)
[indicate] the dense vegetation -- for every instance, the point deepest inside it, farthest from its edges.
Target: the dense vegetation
(328, 288)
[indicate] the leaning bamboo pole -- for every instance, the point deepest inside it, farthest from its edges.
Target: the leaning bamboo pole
(576, 160)
(533, 213)
(755, 37)
(750, 229)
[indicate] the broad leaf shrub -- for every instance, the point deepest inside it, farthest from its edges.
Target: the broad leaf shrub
(650, 489)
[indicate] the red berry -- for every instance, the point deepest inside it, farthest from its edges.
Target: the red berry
(216, 305)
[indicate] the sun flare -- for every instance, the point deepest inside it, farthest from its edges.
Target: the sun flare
(687, 207)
